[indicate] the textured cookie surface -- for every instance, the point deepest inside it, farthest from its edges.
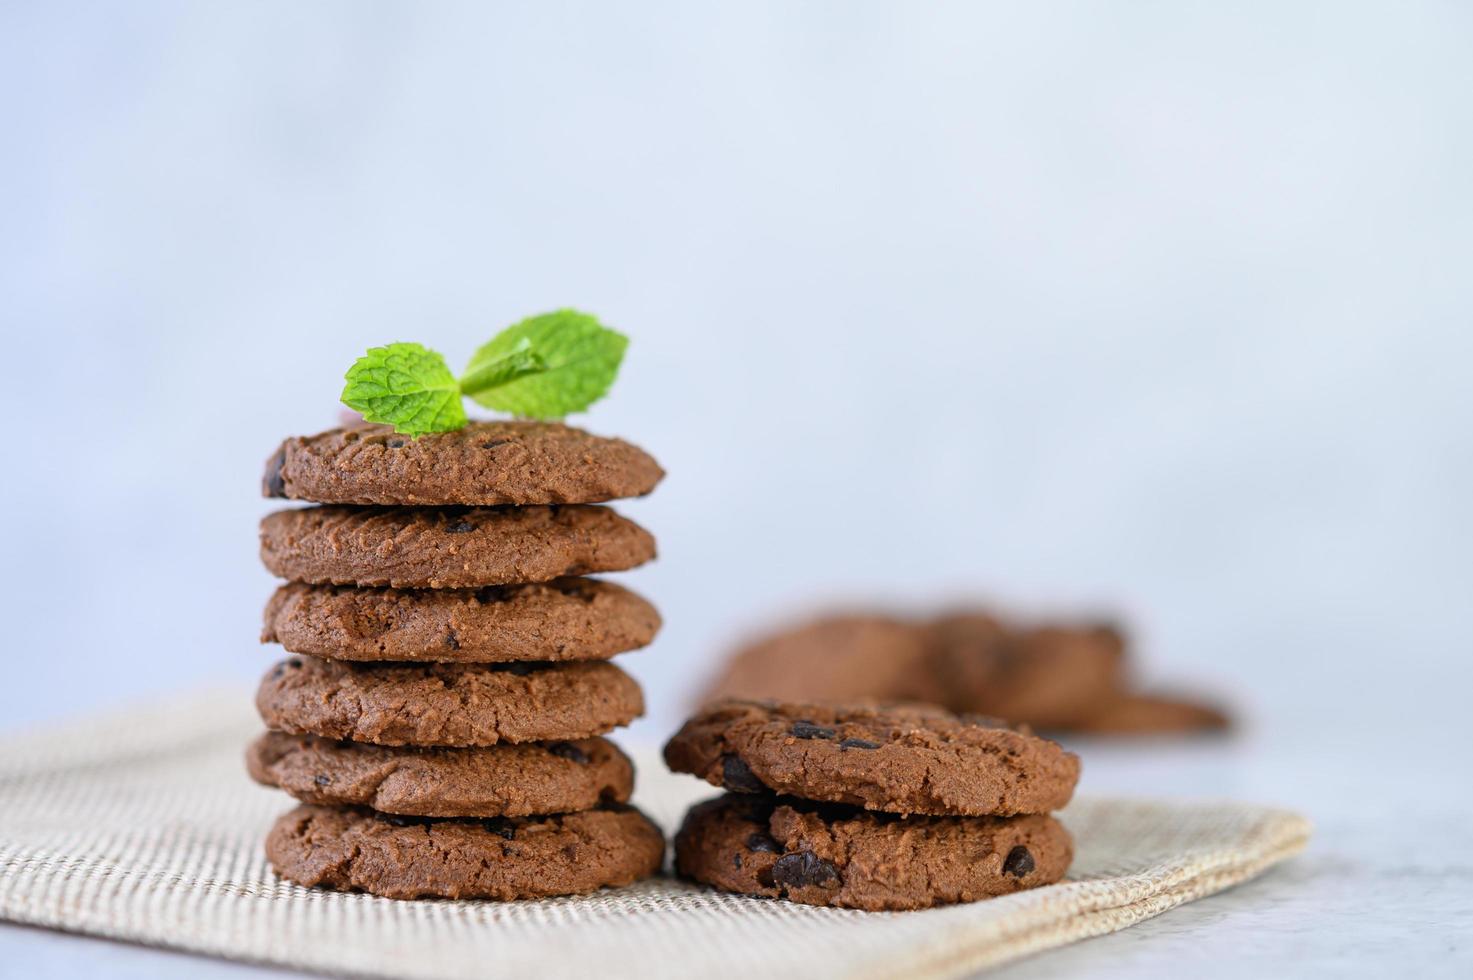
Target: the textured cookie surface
(448, 548)
(500, 781)
(566, 619)
(900, 758)
(501, 858)
(825, 854)
(483, 464)
(446, 704)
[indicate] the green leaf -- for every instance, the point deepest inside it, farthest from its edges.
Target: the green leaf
(407, 386)
(518, 363)
(579, 358)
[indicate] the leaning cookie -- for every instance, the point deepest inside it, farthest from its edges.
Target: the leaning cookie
(836, 658)
(500, 858)
(500, 781)
(827, 854)
(565, 619)
(901, 758)
(1146, 714)
(446, 704)
(482, 464)
(448, 548)
(1048, 677)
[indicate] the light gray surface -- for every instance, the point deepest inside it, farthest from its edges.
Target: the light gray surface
(1158, 308)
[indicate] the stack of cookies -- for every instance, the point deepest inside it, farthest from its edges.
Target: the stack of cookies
(870, 806)
(440, 716)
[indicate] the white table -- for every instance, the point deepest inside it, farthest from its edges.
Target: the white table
(1386, 887)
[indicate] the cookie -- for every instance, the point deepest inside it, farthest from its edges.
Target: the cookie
(501, 857)
(966, 662)
(448, 548)
(501, 781)
(482, 464)
(565, 619)
(901, 758)
(838, 658)
(1145, 714)
(1047, 677)
(828, 854)
(446, 704)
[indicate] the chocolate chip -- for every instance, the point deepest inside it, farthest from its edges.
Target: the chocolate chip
(807, 729)
(321, 780)
(452, 641)
(279, 670)
(831, 812)
(736, 861)
(394, 443)
(569, 751)
(737, 775)
(493, 443)
(574, 589)
(758, 841)
(274, 484)
(459, 527)
(402, 820)
(858, 743)
(804, 870)
(1018, 862)
(518, 669)
(500, 826)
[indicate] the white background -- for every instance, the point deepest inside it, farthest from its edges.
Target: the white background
(1163, 309)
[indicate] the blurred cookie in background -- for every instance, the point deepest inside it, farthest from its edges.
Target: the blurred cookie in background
(1152, 714)
(1059, 677)
(1048, 676)
(838, 658)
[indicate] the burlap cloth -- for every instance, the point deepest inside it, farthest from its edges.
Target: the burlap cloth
(143, 827)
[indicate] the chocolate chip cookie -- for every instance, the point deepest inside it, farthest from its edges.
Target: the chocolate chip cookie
(500, 858)
(483, 464)
(828, 854)
(446, 704)
(565, 619)
(448, 548)
(899, 758)
(500, 781)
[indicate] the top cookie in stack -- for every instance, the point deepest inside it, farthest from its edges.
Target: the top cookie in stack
(484, 464)
(443, 725)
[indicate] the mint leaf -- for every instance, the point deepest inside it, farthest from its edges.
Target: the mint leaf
(407, 386)
(578, 356)
(518, 363)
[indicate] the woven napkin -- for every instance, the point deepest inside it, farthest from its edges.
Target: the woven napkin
(143, 827)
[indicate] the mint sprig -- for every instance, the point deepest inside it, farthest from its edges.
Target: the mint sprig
(544, 367)
(579, 359)
(407, 386)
